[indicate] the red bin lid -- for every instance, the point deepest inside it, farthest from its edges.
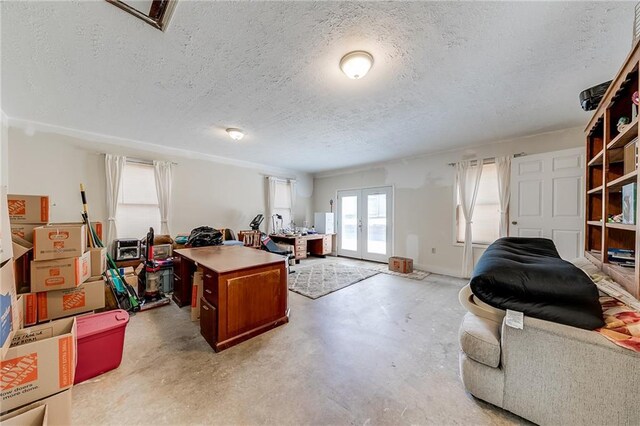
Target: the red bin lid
(88, 325)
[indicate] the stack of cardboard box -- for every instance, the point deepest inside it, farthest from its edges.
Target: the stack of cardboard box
(37, 364)
(62, 277)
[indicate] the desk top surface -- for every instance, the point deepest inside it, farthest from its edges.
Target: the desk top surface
(223, 259)
(305, 237)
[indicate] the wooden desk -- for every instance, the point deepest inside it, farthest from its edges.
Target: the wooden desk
(314, 244)
(245, 291)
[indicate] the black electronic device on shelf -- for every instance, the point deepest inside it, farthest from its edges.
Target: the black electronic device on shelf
(255, 223)
(590, 98)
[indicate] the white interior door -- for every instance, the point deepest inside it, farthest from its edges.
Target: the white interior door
(547, 199)
(365, 223)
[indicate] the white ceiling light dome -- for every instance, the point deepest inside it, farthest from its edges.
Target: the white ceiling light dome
(236, 134)
(356, 64)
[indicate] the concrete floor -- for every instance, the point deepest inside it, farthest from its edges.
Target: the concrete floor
(382, 351)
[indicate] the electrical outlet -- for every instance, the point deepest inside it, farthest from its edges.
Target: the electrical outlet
(433, 250)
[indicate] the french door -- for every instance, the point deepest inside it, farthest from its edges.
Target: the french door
(365, 223)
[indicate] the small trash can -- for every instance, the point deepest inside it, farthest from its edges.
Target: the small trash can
(100, 343)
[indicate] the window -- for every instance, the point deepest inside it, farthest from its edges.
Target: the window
(138, 202)
(485, 228)
(282, 203)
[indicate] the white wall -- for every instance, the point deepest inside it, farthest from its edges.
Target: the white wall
(204, 192)
(423, 205)
(4, 149)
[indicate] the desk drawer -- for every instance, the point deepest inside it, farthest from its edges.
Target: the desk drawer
(326, 245)
(210, 286)
(208, 322)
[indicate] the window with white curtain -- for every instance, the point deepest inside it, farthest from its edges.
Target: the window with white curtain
(485, 228)
(138, 202)
(282, 203)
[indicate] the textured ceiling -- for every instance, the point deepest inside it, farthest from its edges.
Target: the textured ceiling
(445, 75)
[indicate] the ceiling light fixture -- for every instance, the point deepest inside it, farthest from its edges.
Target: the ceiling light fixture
(356, 64)
(236, 134)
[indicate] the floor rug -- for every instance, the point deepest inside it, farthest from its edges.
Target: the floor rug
(321, 279)
(415, 275)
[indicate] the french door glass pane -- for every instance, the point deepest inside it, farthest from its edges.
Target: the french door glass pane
(349, 223)
(377, 229)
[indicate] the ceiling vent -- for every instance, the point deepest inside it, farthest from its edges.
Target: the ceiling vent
(156, 13)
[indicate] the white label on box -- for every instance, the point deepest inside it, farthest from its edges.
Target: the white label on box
(514, 319)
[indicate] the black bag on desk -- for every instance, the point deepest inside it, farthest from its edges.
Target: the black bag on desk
(204, 236)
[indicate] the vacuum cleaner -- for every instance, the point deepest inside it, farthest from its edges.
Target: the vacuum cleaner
(149, 278)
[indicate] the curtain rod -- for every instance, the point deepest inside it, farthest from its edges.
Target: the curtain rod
(492, 160)
(137, 160)
(145, 162)
(282, 179)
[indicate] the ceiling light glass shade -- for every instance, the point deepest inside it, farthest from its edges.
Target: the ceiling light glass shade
(236, 134)
(356, 64)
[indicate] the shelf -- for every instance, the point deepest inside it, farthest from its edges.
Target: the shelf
(597, 159)
(615, 156)
(621, 275)
(623, 226)
(594, 223)
(623, 180)
(594, 256)
(626, 136)
(595, 190)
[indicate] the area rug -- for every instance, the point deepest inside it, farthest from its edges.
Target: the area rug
(415, 275)
(321, 279)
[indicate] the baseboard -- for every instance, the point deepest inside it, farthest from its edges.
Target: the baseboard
(439, 270)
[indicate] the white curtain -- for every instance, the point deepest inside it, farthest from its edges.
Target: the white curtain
(292, 189)
(468, 180)
(503, 170)
(114, 166)
(163, 171)
(271, 198)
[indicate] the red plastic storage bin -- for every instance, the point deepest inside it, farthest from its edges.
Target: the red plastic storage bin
(100, 343)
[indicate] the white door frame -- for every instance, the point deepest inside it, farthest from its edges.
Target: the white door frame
(362, 251)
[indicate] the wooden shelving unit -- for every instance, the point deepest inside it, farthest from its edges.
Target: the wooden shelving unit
(605, 177)
(595, 190)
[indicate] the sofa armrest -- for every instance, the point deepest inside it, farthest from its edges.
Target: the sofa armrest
(560, 374)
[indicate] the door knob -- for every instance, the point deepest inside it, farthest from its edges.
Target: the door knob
(515, 222)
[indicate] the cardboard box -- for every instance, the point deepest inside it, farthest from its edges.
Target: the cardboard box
(29, 309)
(60, 274)
(63, 303)
(98, 260)
(35, 416)
(403, 265)
(28, 208)
(630, 157)
(58, 409)
(196, 294)
(22, 251)
(18, 313)
(6, 251)
(40, 362)
(97, 226)
(24, 230)
(8, 304)
(59, 241)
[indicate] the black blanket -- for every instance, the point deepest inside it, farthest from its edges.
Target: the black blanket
(528, 275)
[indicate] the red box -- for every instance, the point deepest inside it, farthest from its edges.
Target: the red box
(100, 343)
(401, 264)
